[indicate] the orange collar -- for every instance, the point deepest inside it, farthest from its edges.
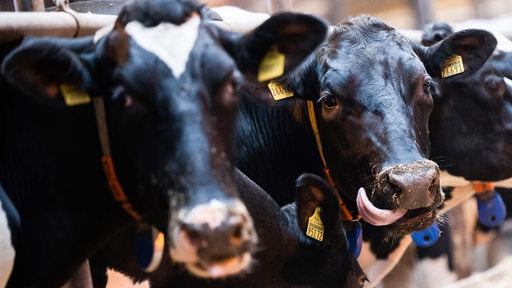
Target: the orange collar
(481, 187)
(106, 160)
(345, 212)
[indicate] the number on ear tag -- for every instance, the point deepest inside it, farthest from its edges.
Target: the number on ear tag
(452, 66)
(315, 226)
(271, 66)
(73, 96)
(279, 91)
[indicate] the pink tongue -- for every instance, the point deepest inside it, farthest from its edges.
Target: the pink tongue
(374, 215)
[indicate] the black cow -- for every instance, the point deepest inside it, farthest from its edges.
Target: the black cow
(170, 110)
(371, 89)
(470, 132)
(471, 123)
(286, 257)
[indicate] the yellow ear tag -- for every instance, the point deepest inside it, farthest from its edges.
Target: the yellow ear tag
(452, 66)
(315, 226)
(73, 96)
(271, 66)
(279, 91)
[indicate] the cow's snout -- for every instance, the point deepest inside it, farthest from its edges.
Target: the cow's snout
(414, 185)
(232, 232)
(215, 239)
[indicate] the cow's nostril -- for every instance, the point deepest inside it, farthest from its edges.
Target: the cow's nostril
(194, 234)
(434, 187)
(417, 182)
(237, 235)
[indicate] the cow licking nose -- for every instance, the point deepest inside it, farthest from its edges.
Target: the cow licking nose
(411, 186)
(214, 239)
(407, 194)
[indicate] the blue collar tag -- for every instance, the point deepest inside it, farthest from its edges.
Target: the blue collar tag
(149, 248)
(355, 238)
(491, 208)
(427, 237)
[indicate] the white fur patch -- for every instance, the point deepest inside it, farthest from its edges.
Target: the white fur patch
(508, 81)
(171, 43)
(214, 213)
(6, 249)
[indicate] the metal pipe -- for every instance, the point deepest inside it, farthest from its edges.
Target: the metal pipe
(60, 24)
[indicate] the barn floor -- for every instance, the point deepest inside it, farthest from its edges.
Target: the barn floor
(499, 276)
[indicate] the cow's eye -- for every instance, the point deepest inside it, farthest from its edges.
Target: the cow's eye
(427, 87)
(329, 101)
(492, 83)
(236, 81)
(120, 97)
(232, 85)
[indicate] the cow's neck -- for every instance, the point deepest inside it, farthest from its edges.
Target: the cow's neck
(47, 152)
(275, 146)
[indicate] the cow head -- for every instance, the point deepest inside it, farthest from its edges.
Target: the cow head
(303, 244)
(372, 93)
(169, 84)
(471, 123)
(336, 266)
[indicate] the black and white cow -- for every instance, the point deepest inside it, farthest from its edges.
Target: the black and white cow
(371, 90)
(286, 257)
(10, 224)
(280, 144)
(167, 81)
(10, 227)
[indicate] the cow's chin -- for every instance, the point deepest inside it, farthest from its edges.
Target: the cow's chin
(398, 222)
(211, 269)
(413, 220)
(220, 269)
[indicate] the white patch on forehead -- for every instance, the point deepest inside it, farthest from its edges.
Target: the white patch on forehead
(171, 43)
(6, 249)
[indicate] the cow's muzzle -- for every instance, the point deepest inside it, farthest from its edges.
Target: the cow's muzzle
(402, 190)
(409, 186)
(215, 240)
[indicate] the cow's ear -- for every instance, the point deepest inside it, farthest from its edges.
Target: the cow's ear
(318, 210)
(460, 54)
(38, 68)
(277, 46)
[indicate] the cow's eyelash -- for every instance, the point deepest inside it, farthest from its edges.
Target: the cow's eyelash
(322, 97)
